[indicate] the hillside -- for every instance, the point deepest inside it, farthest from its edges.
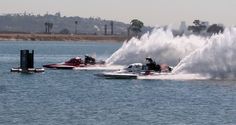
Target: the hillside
(27, 23)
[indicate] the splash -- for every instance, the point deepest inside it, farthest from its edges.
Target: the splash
(160, 45)
(216, 59)
(206, 57)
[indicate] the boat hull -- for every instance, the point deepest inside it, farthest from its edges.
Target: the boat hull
(118, 75)
(58, 66)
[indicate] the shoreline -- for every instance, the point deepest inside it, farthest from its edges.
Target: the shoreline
(60, 37)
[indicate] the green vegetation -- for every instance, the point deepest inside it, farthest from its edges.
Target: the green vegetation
(200, 26)
(136, 26)
(48, 27)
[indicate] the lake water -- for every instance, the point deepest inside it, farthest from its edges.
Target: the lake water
(72, 97)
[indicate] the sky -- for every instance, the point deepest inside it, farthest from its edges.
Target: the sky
(151, 12)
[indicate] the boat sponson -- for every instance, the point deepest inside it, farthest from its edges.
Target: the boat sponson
(119, 76)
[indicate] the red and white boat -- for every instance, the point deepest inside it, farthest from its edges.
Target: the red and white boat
(75, 63)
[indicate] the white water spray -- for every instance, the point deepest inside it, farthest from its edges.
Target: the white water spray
(213, 57)
(160, 45)
(216, 59)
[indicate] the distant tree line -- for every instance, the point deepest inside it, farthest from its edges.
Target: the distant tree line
(200, 26)
(56, 23)
(51, 24)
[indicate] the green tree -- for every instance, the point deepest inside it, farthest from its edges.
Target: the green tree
(76, 25)
(215, 29)
(64, 31)
(197, 27)
(136, 26)
(48, 27)
(112, 27)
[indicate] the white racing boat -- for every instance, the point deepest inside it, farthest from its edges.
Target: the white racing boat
(116, 75)
(130, 72)
(100, 67)
(136, 70)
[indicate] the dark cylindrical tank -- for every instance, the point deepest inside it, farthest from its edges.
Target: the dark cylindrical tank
(26, 59)
(31, 59)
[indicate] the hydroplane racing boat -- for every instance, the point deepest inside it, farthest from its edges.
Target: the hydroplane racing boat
(75, 62)
(130, 72)
(133, 71)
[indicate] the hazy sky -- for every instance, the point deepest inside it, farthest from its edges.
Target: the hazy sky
(151, 12)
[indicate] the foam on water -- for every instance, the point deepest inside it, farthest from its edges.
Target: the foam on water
(173, 76)
(193, 57)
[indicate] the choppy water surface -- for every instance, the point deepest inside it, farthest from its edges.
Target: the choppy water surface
(80, 98)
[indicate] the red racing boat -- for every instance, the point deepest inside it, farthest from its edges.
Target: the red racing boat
(75, 62)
